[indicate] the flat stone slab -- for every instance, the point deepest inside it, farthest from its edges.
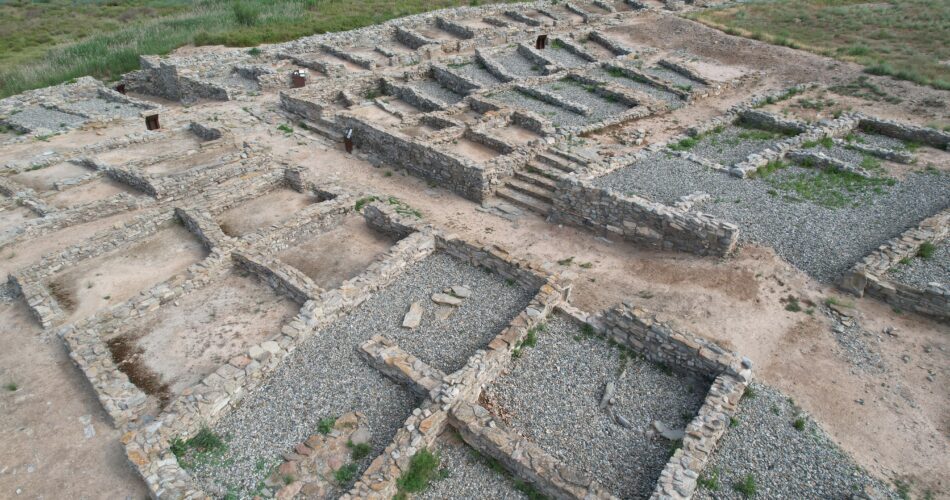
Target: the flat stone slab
(414, 317)
(446, 299)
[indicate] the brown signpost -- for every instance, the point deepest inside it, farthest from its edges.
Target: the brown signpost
(541, 42)
(298, 79)
(348, 140)
(151, 122)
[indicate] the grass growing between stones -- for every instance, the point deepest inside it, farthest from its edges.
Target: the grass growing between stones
(746, 487)
(50, 42)
(827, 188)
(905, 39)
(203, 447)
(423, 469)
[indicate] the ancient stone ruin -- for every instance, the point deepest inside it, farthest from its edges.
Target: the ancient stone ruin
(217, 248)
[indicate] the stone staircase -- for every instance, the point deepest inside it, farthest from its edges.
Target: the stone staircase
(325, 127)
(532, 187)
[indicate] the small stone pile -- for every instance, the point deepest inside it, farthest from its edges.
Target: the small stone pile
(448, 299)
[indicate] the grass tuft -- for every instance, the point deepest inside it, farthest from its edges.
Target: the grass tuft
(345, 474)
(423, 468)
(746, 487)
(709, 480)
(358, 451)
(325, 425)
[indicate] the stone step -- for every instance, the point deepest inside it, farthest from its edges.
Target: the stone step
(319, 128)
(536, 167)
(524, 201)
(531, 190)
(536, 179)
(552, 160)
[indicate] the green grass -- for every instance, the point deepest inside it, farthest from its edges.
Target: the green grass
(926, 250)
(769, 168)
(905, 39)
(423, 468)
(203, 447)
(325, 425)
(358, 451)
(50, 42)
(11, 386)
(830, 188)
(746, 487)
(362, 202)
(345, 474)
(709, 480)
(799, 424)
(684, 144)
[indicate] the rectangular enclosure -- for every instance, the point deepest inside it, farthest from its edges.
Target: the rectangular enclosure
(333, 256)
(325, 377)
(117, 276)
(554, 393)
(266, 210)
(171, 349)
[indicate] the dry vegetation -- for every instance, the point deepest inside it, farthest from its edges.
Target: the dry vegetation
(906, 39)
(46, 43)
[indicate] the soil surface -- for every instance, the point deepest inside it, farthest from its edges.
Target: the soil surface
(270, 208)
(115, 277)
(55, 435)
(334, 256)
(193, 336)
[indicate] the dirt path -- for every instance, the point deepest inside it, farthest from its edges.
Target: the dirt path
(54, 432)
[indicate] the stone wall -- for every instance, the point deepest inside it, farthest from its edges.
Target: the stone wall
(907, 132)
(870, 275)
(462, 176)
(641, 331)
(730, 375)
(636, 219)
(147, 446)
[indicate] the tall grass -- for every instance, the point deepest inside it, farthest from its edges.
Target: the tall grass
(240, 23)
(905, 39)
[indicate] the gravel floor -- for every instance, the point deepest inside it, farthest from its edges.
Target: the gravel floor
(734, 144)
(576, 93)
(516, 64)
(433, 89)
(652, 177)
(655, 92)
(876, 140)
(858, 345)
(564, 57)
(38, 117)
(673, 77)
(448, 343)
(468, 476)
(98, 106)
(556, 114)
(553, 393)
(920, 271)
(326, 377)
(844, 154)
(822, 241)
(477, 73)
(784, 461)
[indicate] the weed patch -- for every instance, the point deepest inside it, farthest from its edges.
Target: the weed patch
(423, 469)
